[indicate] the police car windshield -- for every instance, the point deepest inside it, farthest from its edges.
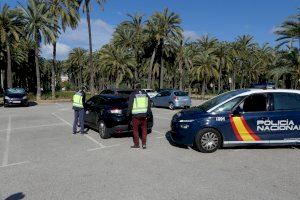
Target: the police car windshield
(16, 91)
(219, 99)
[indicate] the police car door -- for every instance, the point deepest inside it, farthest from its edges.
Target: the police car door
(245, 118)
(284, 122)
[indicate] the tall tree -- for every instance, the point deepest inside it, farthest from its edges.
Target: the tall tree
(289, 30)
(40, 26)
(168, 28)
(66, 14)
(87, 8)
(10, 30)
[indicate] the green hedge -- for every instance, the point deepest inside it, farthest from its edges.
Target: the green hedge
(58, 95)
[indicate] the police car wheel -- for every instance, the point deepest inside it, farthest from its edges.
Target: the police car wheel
(208, 140)
(171, 106)
(104, 134)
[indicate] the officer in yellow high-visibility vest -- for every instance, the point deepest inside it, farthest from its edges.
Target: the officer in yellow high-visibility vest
(78, 107)
(139, 108)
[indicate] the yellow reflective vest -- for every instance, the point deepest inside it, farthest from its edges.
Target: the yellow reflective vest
(77, 100)
(140, 104)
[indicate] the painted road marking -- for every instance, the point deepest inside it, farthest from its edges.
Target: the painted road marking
(94, 149)
(13, 164)
(87, 136)
(6, 148)
(38, 126)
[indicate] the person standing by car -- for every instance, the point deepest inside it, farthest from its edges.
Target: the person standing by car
(78, 107)
(139, 108)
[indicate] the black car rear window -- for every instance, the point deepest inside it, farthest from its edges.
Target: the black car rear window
(181, 94)
(125, 92)
(111, 101)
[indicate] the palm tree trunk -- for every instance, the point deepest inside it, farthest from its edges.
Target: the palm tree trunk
(53, 71)
(9, 72)
(37, 69)
(150, 68)
(161, 74)
(2, 78)
(92, 88)
(233, 79)
(203, 88)
(181, 74)
(220, 78)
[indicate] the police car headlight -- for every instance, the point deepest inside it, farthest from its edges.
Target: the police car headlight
(186, 120)
(25, 97)
(7, 98)
(184, 126)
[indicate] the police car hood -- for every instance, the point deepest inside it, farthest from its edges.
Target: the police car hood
(192, 113)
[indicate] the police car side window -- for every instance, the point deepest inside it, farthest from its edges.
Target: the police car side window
(254, 103)
(286, 101)
(228, 106)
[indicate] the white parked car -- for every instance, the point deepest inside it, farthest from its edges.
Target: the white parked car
(151, 93)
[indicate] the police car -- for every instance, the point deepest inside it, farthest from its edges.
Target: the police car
(240, 117)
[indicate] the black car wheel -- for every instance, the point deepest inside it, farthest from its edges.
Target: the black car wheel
(152, 104)
(171, 106)
(103, 132)
(208, 140)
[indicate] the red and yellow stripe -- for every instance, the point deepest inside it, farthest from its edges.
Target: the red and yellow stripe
(241, 129)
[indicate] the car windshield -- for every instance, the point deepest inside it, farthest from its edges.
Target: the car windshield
(180, 94)
(15, 91)
(219, 99)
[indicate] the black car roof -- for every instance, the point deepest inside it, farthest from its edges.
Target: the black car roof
(110, 96)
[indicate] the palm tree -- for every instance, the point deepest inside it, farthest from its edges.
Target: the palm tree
(136, 27)
(40, 26)
(66, 13)
(289, 30)
(10, 30)
(118, 62)
(167, 29)
(204, 67)
(76, 61)
(87, 8)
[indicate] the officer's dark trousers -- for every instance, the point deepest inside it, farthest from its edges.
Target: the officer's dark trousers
(78, 115)
(142, 122)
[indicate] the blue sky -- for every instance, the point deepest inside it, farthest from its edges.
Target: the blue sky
(224, 19)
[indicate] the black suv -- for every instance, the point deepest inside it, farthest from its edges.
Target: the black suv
(107, 114)
(120, 92)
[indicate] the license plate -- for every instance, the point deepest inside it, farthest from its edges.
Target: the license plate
(16, 101)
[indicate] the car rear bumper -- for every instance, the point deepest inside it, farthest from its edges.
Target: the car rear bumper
(126, 128)
(182, 104)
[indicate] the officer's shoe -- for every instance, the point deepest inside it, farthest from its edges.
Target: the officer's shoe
(144, 146)
(135, 146)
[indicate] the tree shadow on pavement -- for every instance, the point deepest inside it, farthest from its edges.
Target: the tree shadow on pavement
(16, 196)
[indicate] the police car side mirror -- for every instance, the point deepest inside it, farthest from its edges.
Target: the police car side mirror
(236, 112)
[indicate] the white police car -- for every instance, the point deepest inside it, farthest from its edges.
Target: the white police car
(240, 117)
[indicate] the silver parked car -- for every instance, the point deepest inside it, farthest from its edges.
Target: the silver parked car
(172, 99)
(151, 93)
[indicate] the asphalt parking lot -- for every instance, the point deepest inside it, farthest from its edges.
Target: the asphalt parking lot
(41, 159)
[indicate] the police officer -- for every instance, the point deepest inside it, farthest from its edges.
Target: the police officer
(78, 107)
(139, 108)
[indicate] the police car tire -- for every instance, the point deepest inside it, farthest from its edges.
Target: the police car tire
(202, 133)
(103, 134)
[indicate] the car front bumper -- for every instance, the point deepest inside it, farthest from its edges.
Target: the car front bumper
(11, 102)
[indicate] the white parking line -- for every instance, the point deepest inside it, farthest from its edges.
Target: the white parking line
(87, 136)
(94, 149)
(6, 148)
(13, 164)
(38, 126)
